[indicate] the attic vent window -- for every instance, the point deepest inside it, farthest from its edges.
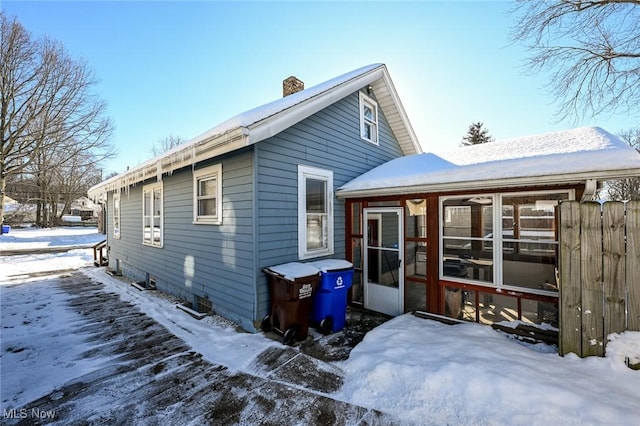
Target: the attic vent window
(368, 119)
(291, 85)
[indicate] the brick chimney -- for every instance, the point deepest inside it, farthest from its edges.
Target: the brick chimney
(291, 85)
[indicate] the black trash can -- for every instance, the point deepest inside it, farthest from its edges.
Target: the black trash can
(330, 300)
(291, 287)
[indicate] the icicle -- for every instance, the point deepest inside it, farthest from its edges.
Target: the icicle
(159, 171)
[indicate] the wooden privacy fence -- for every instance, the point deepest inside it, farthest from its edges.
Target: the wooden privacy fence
(599, 266)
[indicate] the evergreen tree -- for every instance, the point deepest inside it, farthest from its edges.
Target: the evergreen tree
(476, 134)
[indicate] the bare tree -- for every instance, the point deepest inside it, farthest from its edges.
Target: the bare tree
(167, 143)
(476, 134)
(48, 113)
(591, 48)
(69, 183)
(626, 189)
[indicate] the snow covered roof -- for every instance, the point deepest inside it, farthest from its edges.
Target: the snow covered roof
(565, 157)
(270, 119)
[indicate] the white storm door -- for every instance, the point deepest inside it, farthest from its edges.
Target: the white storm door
(383, 266)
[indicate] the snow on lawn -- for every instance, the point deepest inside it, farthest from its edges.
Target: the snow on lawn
(32, 238)
(421, 370)
(19, 266)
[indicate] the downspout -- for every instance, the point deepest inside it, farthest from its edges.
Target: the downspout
(254, 208)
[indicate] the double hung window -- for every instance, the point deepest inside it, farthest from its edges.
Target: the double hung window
(116, 215)
(315, 212)
(368, 119)
(152, 221)
(207, 195)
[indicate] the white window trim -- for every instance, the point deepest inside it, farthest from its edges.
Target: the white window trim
(305, 172)
(497, 242)
(117, 215)
(364, 100)
(151, 188)
(208, 172)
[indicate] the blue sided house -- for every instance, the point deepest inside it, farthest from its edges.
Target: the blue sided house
(336, 172)
(202, 220)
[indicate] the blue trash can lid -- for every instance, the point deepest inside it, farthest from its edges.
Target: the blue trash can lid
(328, 265)
(294, 270)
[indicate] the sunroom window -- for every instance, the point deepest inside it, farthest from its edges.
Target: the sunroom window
(315, 212)
(467, 238)
(530, 241)
(501, 240)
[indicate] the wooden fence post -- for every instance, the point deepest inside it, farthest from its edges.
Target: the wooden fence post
(591, 267)
(613, 265)
(633, 265)
(570, 337)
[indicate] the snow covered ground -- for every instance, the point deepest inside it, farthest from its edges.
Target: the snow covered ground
(419, 370)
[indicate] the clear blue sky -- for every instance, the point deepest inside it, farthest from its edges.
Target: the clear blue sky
(183, 67)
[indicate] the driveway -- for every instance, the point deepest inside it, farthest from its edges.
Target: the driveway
(151, 377)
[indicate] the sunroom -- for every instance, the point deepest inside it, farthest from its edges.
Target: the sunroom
(472, 234)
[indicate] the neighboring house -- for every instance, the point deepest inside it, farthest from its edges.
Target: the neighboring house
(82, 209)
(16, 213)
(473, 233)
(85, 209)
(205, 218)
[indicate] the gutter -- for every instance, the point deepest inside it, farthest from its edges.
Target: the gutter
(177, 158)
